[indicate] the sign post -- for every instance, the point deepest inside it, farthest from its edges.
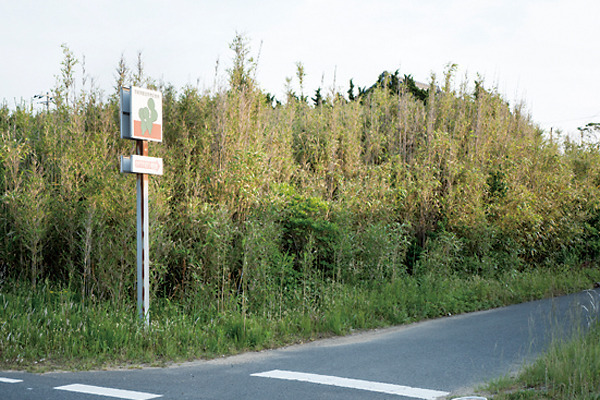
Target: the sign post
(141, 120)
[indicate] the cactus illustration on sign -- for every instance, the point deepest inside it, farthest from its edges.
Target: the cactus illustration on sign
(148, 115)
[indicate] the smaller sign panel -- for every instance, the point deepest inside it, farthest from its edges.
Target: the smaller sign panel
(141, 114)
(141, 165)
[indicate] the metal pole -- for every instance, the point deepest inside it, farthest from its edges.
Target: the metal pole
(143, 243)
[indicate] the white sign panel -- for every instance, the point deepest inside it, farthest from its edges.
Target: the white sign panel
(142, 165)
(141, 114)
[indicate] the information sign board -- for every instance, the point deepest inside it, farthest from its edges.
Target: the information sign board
(141, 120)
(141, 114)
(142, 165)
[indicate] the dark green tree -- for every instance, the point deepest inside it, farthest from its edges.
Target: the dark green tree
(410, 84)
(318, 99)
(351, 91)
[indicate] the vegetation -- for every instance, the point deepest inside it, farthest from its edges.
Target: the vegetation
(50, 328)
(277, 221)
(569, 370)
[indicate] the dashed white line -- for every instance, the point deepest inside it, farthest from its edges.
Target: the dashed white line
(108, 392)
(407, 391)
(9, 380)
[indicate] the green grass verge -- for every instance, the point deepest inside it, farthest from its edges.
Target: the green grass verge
(569, 370)
(47, 329)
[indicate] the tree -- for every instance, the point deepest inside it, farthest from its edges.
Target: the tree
(410, 84)
(318, 99)
(592, 128)
(395, 84)
(351, 91)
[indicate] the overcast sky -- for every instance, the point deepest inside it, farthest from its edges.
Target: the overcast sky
(541, 52)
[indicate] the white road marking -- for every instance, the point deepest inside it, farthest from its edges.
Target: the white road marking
(425, 394)
(9, 380)
(109, 392)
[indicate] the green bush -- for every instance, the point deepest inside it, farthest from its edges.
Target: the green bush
(308, 232)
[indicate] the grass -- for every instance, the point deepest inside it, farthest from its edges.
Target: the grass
(48, 329)
(568, 370)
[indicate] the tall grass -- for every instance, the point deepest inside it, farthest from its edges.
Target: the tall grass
(569, 369)
(51, 328)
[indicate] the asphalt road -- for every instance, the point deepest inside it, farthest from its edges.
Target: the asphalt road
(421, 360)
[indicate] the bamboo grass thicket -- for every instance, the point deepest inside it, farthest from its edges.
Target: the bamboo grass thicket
(265, 201)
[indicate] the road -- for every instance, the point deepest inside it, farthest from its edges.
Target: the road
(418, 361)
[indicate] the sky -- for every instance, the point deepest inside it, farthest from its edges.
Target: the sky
(540, 53)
